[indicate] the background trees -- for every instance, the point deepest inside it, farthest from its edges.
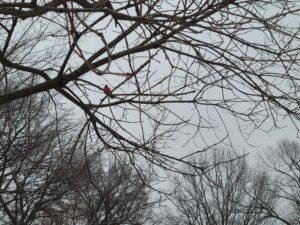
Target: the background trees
(235, 193)
(224, 60)
(283, 161)
(218, 196)
(47, 177)
(233, 57)
(108, 193)
(32, 160)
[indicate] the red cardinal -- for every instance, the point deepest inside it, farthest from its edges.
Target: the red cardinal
(107, 91)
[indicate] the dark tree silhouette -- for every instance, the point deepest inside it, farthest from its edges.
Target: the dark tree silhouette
(283, 161)
(47, 177)
(228, 194)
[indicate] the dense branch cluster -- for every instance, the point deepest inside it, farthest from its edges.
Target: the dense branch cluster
(94, 93)
(231, 56)
(237, 193)
(48, 177)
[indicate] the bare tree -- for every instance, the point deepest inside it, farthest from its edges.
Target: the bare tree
(32, 159)
(220, 56)
(284, 163)
(47, 177)
(234, 193)
(111, 194)
(222, 196)
(101, 194)
(262, 201)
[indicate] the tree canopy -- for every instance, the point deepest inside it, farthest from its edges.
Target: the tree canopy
(160, 60)
(47, 176)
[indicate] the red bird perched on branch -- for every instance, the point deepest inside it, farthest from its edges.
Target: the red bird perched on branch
(107, 91)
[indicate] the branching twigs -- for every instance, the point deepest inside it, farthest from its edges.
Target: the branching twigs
(169, 64)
